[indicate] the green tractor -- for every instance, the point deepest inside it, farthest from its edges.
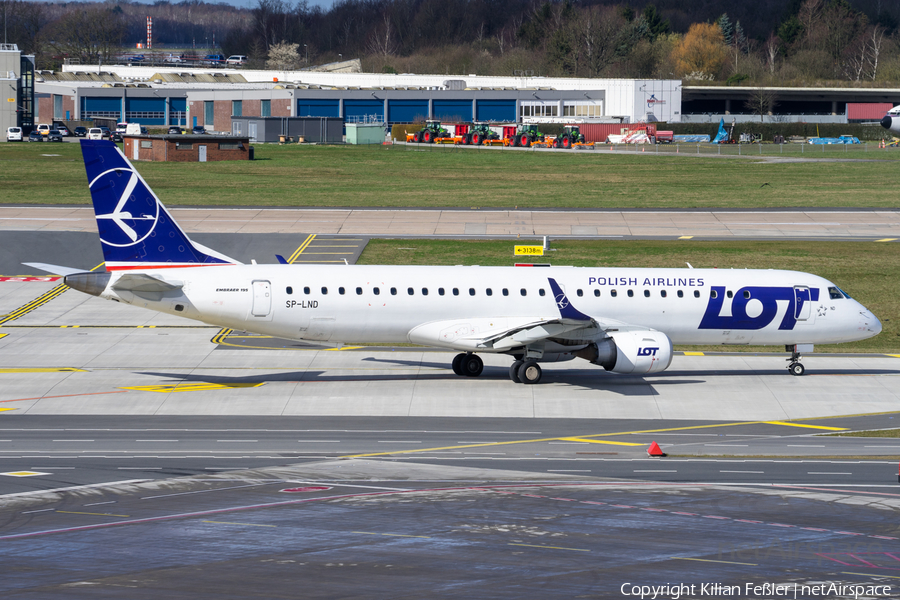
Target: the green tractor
(479, 132)
(431, 132)
(571, 135)
(527, 135)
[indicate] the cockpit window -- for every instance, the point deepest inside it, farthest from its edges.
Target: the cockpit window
(846, 295)
(835, 293)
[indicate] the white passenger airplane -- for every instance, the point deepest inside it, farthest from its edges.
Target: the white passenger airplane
(624, 320)
(891, 120)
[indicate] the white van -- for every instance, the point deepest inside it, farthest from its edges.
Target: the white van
(43, 129)
(14, 134)
(95, 133)
(236, 59)
(121, 127)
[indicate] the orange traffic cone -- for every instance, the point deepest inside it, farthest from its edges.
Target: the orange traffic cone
(655, 450)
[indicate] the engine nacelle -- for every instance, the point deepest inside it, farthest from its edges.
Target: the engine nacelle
(639, 352)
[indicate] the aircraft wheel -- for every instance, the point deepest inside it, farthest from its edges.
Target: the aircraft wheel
(458, 364)
(472, 366)
(797, 369)
(530, 372)
(514, 371)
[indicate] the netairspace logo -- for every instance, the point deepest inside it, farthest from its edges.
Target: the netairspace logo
(674, 591)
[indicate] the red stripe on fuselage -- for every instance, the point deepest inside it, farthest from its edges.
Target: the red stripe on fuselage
(167, 266)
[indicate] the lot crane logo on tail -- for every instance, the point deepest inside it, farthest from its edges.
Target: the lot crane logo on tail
(131, 229)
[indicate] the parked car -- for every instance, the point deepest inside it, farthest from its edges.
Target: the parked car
(236, 59)
(174, 59)
(54, 136)
(80, 131)
(136, 58)
(116, 137)
(105, 131)
(43, 129)
(143, 130)
(35, 136)
(213, 59)
(95, 133)
(175, 130)
(13, 134)
(63, 130)
(198, 130)
(121, 127)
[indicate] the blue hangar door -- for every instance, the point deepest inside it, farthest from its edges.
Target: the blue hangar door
(453, 110)
(147, 111)
(496, 110)
(360, 110)
(407, 111)
(308, 107)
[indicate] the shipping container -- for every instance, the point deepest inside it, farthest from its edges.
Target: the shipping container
(598, 132)
(867, 111)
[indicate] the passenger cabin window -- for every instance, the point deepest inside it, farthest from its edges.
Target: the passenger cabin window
(440, 291)
(613, 293)
(713, 294)
(359, 291)
(596, 293)
(456, 291)
(631, 293)
(424, 291)
(489, 292)
(729, 293)
(696, 293)
(341, 291)
(393, 291)
(834, 293)
(646, 293)
(471, 291)
(580, 293)
(289, 290)
(662, 293)
(324, 291)
(306, 290)
(410, 291)
(523, 291)
(680, 294)
(541, 292)
(746, 293)
(505, 292)
(376, 291)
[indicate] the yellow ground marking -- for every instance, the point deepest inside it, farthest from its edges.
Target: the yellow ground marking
(581, 437)
(302, 247)
(247, 524)
(806, 426)
(578, 439)
(190, 387)
(39, 301)
(343, 348)
(894, 355)
(887, 240)
(6, 409)
(727, 562)
(23, 473)
(870, 575)
(694, 354)
(424, 537)
(48, 370)
(318, 261)
(686, 237)
(336, 246)
(72, 512)
(549, 547)
(3, 335)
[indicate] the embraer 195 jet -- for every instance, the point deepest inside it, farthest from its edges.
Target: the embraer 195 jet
(622, 319)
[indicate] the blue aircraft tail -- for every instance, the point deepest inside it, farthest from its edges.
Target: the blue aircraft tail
(722, 135)
(136, 230)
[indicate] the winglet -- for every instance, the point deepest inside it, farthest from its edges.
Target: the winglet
(281, 260)
(566, 310)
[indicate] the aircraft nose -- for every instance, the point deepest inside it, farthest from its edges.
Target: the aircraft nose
(886, 122)
(869, 322)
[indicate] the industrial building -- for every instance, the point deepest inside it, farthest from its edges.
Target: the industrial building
(17, 81)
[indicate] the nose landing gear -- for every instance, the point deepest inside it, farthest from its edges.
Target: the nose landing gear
(795, 367)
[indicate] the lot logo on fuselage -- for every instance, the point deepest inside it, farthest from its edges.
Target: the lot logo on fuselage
(135, 214)
(756, 307)
(647, 351)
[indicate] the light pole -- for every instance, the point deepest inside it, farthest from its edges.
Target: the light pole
(307, 53)
(340, 57)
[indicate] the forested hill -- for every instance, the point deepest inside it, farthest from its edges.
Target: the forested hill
(791, 42)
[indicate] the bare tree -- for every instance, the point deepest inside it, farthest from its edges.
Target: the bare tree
(90, 35)
(773, 45)
(874, 44)
(382, 40)
(761, 102)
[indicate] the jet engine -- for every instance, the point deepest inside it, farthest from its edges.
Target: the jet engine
(639, 352)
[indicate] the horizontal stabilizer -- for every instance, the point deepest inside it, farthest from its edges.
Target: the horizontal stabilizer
(281, 260)
(55, 269)
(139, 282)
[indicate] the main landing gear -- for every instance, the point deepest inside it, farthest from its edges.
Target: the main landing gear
(795, 367)
(467, 365)
(525, 371)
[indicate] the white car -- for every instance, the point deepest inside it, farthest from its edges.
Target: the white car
(43, 129)
(13, 134)
(95, 133)
(174, 59)
(236, 59)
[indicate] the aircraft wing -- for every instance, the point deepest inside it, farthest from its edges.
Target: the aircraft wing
(55, 269)
(139, 282)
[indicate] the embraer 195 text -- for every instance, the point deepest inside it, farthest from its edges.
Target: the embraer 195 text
(624, 320)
